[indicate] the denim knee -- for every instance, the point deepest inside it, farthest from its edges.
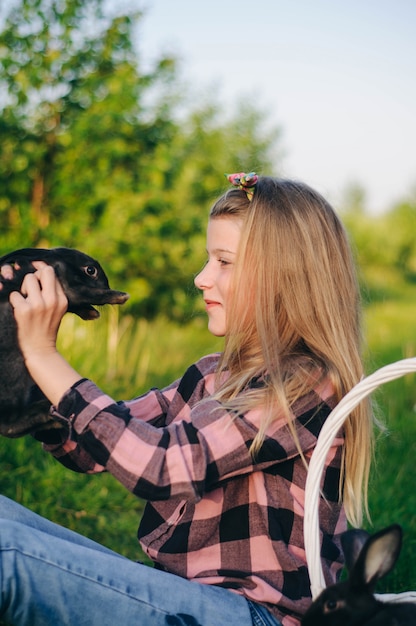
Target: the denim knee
(8, 508)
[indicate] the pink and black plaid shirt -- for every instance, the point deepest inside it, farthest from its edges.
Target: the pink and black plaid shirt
(213, 515)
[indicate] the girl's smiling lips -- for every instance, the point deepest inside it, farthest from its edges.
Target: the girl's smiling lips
(211, 303)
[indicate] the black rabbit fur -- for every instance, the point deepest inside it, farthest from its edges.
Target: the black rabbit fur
(353, 603)
(23, 407)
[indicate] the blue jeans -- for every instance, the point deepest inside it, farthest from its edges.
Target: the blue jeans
(51, 576)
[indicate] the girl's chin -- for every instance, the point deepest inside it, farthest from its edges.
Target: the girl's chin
(216, 330)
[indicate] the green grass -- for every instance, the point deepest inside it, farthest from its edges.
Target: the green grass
(126, 357)
(391, 332)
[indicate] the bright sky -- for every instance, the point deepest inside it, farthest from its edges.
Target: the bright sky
(338, 77)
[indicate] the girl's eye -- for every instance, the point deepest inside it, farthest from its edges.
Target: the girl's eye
(224, 262)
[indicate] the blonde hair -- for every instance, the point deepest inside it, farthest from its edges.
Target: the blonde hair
(298, 317)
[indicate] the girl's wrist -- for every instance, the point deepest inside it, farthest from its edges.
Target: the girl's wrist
(53, 375)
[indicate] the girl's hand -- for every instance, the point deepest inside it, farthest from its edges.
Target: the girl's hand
(38, 311)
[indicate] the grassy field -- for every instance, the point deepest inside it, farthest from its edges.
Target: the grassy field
(126, 357)
(391, 332)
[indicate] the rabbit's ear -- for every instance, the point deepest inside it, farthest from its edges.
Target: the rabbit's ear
(379, 555)
(352, 542)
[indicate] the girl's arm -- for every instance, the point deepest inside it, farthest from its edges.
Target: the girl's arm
(38, 311)
(198, 447)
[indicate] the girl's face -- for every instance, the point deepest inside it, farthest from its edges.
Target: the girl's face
(223, 237)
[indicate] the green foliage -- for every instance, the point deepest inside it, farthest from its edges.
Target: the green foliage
(385, 247)
(94, 153)
(81, 130)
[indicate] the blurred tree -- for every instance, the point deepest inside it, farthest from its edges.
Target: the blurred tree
(385, 244)
(73, 115)
(94, 155)
(400, 229)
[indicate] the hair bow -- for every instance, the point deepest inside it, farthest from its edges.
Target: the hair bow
(247, 182)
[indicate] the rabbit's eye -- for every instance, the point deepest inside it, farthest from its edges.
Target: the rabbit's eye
(332, 605)
(91, 271)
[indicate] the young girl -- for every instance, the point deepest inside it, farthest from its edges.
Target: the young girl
(221, 454)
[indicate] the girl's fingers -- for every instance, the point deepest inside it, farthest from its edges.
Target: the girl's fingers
(51, 288)
(41, 290)
(29, 299)
(6, 272)
(16, 299)
(30, 285)
(38, 311)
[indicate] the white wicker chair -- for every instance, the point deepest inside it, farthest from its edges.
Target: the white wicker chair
(329, 430)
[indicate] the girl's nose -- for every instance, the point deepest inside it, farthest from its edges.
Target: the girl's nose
(201, 280)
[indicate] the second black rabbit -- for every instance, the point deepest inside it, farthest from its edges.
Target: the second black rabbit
(353, 603)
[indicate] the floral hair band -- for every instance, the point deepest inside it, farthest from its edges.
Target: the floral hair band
(247, 182)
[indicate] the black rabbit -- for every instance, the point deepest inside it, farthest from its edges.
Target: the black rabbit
(23, 408)
(352, 603)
